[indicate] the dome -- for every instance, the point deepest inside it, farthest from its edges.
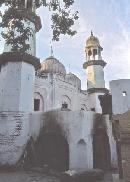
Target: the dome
(52, 65)
(74, 80)
(92, 41)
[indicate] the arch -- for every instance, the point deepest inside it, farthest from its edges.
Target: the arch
(81, 142)
(65, 102)
(38, 102)
(101, 150)
(53, 151)
(83, 107)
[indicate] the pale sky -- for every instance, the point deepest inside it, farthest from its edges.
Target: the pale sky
(110, 22)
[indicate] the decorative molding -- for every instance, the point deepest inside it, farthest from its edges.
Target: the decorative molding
(98, 90)
(94, 62)
(19, 57)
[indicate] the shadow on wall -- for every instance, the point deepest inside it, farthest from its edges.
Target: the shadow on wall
(101, 146)
(50, 149)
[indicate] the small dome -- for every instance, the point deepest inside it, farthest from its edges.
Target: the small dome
(52, 65)
(74, 80)
(92, 41)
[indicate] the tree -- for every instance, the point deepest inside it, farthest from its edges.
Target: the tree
(15, 13)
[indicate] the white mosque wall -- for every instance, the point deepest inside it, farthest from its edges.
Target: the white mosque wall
(58, 91)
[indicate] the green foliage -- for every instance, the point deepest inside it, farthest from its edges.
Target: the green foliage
(12, 19)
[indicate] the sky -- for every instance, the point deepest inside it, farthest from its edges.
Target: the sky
(109, 21)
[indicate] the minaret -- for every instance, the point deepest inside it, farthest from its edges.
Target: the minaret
(94, 66)
(17, 69)
(27, 9)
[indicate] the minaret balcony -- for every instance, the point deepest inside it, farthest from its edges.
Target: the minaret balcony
(94, 62)
(19, 57)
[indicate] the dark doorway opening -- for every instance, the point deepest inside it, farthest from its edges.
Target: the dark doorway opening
(101, 150)
(36, 104)
(54, 152)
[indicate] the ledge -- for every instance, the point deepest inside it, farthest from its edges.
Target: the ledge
(94, 62)
(19, 57)
(98, 90)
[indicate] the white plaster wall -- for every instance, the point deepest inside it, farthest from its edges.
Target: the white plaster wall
(27, 87)
(16, 91)
(31, 41)
(95, 77)
(76, 97)
(10, 86)
(120, 103)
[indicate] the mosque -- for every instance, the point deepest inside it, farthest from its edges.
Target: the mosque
(45, 116)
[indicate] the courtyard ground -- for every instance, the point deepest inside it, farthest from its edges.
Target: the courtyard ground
(26, 176)
(38, 176)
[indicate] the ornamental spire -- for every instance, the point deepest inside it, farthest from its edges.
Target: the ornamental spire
(52, 52)
(91, 33)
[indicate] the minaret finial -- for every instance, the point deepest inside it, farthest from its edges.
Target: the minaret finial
(91, 33)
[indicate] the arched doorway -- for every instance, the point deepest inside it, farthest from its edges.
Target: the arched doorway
(101, 150)
(54, 151)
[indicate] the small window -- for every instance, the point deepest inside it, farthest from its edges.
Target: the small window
(36, 104)
(64, 106)
(124, 94)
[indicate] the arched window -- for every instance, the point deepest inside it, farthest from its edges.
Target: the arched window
(81, 142)
(38, 102)
(65, 102)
